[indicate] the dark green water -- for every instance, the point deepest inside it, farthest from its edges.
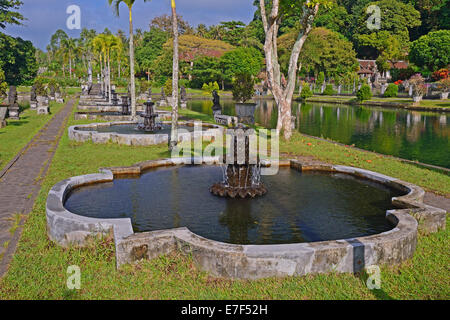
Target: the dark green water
(299, 207)
(421, 136)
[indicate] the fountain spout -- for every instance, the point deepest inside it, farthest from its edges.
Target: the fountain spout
(150, 118)
(242, 174)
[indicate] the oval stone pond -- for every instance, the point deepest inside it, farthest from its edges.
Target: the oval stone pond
(299, 207)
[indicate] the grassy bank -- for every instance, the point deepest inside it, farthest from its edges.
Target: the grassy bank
(39, 267)
(18, 133)
(388, 102)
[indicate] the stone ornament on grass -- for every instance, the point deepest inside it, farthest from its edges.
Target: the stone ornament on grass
(14, 110)
(43, 105)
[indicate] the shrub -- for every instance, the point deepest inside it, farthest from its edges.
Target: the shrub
(41, 86)
(144, 85)
(210, 87)
(243, 87)
(365, 93)
(328, 90)
(391, 91)
(185, 83)
(306, 92)
(168, 87)
(320, 78)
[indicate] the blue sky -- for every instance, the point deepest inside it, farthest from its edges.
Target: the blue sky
(46, 16)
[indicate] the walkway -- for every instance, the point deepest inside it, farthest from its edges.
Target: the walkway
(20, 182)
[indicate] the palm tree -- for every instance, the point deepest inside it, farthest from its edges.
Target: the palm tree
(130, 4)
(105, 43)
(100, 48)
(68, 47)
(174, 135)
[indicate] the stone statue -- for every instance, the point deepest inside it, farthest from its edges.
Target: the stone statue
(183, 94)
(12, 95)
(216, 100)
(217, 108)
(33, 93)
(163, 94)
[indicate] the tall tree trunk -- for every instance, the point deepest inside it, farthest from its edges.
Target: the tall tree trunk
(174, 135)
(132, 82)
(90, 69)
(283, 93)
(70, 67)
(109, 78)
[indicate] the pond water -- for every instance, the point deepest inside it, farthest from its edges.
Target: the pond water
(412, 135)
(299, 207)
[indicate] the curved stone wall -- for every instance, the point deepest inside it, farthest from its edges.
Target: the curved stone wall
(133, 139)
(251, 261)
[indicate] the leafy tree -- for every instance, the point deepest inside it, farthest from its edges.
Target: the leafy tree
(151, 48)
(431, 51)
(232, 32)
(8, 15)
(3, 84)
(205, 70)
(335, 18)
(324, 51)
(17, 60)
(241, 61)
(164, 23)
(397, 19)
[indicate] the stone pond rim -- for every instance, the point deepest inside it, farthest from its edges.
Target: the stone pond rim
(250, 261)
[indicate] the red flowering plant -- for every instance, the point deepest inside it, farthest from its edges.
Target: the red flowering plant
(444, 85)
(440, 75)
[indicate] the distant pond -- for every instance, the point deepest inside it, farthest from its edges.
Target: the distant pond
(412, 135)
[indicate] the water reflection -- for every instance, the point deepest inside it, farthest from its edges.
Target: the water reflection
(422, 136)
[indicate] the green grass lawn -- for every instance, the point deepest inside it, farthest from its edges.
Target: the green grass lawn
(17, 134)
(38, 269)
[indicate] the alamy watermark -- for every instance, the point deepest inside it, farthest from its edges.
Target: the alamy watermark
(74, 278)
(74, 20)
(374, 21)
(374, 280)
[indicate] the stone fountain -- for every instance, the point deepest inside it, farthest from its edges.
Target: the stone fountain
(150, 123)
(242, 175)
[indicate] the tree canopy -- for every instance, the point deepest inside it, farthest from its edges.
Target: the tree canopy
(432, 50)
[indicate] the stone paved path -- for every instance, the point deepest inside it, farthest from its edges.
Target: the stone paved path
(21, 181)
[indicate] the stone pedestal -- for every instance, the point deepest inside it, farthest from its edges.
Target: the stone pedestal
(33, 105)
(183, 104)
(14, 112)
(43, 105)
(59, 98)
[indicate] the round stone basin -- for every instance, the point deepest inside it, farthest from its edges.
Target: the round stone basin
(132, 129)
(299, 206)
